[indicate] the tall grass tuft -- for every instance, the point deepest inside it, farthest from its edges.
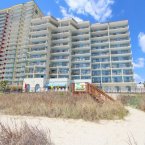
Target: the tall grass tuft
(24, 135)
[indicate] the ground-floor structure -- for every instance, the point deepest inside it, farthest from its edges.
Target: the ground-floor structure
(41, 84)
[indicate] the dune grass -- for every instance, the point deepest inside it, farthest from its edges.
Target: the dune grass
(60, 105)
(24, 135)
(134, 100)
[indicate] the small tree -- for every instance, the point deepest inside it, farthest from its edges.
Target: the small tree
(3, 85)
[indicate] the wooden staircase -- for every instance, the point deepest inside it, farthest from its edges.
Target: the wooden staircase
(96, 93)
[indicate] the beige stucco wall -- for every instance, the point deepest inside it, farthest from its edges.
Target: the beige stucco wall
(33, 82)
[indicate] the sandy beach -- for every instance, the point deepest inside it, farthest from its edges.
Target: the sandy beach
(79, 132)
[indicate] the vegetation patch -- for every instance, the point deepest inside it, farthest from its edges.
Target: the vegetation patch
(134, 100)
(24, 135)
(60, 105)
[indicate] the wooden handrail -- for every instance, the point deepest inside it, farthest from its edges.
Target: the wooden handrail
(100, 92)
(95, 92)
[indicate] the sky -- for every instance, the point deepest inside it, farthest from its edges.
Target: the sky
(102, 11)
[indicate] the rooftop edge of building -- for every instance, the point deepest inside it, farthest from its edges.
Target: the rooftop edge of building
(30, 1)
(82, 22)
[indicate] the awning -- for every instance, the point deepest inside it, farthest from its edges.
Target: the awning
(55, 85)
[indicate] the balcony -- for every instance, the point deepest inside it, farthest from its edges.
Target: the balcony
(10, 52)
(82, 29)
(59, 66)
(81, 35)
(80, 60)
(36, 65)
(100, 55)
(21, 60)
(20, 74)
(81, 66)
(119, 39)
(10, 56)
(99, 30)
(83, 41)
(118, 29)
(9, 65)
(60, 40)
(38, 45)
(100, 48)
(121, 54)
(20, 70)
(105, 35)
(59, 52)
(121, 59)
(37, 51)
(102, 61)
(41, 25)
(81, 47)
(59, 59)
(8, 75)
(59, 73)
(64, 45)
(38, 39)
(8, 70)
(40, 72)
(120, 42)
(39, 32)
(37, 58)
(119, 34)
(10, 61)
(121, 46)
(103, 43)
(60, 34)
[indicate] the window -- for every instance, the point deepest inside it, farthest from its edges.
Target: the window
(106, 79)
(96, 80)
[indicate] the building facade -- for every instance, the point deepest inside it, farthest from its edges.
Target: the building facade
(50, 49)
(14, 39)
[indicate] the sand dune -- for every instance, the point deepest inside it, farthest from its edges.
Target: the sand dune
(79, 132)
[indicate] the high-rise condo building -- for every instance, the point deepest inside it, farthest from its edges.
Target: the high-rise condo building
(36, 48)
(14, 39)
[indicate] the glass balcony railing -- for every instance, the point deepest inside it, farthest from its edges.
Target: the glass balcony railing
(59, 51)
(99, 35)
(100, 47)
(98, 30)
(99, 41)
(118, 33)
(58, 66)
(118, 27)
(36, 64)
(119, 45)
(59, 57)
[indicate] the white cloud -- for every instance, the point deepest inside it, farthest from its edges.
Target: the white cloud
(49, 13)
(140, 63)
(138, 78)
(141, 38)
(69, 15)
(100, 10)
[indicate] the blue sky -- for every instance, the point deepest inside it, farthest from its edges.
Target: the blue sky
(102, 11)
